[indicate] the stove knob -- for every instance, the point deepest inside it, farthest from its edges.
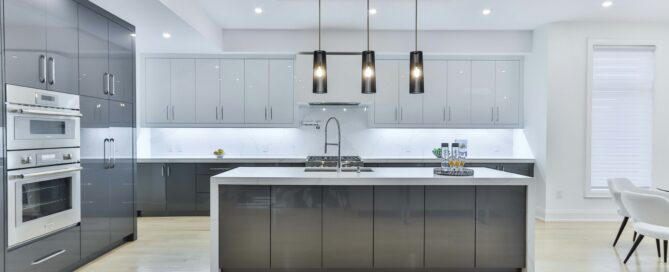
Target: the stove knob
(26, 160)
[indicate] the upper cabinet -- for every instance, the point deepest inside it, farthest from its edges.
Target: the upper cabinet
(344, 79)
(41, 44)
(228, 92)
(106, 58)
(458, 94)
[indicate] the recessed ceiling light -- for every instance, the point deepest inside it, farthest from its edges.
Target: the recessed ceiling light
(372, 11)
(486, 12)
(167, 35)
(607, 4)
(258, 10)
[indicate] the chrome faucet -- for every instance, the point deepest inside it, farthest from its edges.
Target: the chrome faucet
(338, 144)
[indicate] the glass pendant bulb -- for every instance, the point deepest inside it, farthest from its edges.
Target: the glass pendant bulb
(368, 72)
(416, 82)
(320, 81)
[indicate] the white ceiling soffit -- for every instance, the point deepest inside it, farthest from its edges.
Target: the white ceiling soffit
(152, 18)
(433, 14)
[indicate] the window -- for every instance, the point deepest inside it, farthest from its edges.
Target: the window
(621, 114)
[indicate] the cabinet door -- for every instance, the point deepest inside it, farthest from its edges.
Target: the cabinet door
(450, 223)
(95, 112)
(94, 181)
(348, 227)
(180, 188)
(93, 53)
(296, 227)
(62, 46)
(256, 95)
(151, 189)
(507, 94)
(434, 98)
(158, 90)
(121, 63)
(386, 97)
(183, 91)
(399, 226)
(232, 91)
(483, 92)
(25, 42)
(244, 227)
(411, 105)
(23, 259)
(459, 92)
(207, 91)
(281, 103)
(121, 182)
(500, 226)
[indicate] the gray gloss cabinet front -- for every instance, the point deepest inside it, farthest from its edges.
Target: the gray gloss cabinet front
(93, 53)
(180, 188)
(399, 226)
(348, 227)
(296, 227)
(450, 224)
(151, 198)
(244, 227)
(500, 226)
(62, 247)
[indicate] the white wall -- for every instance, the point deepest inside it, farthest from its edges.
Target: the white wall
(566, 44)
(479, 42)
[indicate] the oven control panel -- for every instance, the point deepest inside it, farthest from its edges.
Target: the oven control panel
(41, 157)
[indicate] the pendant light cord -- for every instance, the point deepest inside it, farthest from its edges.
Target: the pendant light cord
(319, 24)
(367, 25)
(416, 30)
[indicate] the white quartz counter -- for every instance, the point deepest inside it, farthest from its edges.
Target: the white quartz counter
(212, 159)
(379, 176)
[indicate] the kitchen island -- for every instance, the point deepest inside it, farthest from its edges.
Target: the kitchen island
(390, 219)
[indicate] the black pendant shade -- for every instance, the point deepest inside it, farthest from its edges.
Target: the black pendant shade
(320, 82)
(368, 72)
(416, 82)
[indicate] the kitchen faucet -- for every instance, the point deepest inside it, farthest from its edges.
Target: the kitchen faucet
(338, 144)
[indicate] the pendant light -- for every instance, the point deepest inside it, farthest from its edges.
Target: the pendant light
(368, 65)
(320, 82)
(416, 78)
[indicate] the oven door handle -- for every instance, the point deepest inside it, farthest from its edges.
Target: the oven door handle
(46, 173)
(43, 112)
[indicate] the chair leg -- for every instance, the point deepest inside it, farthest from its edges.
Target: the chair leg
(620, 231)
(634, 237)
(636, 244)
(665, 251)
(657, 243)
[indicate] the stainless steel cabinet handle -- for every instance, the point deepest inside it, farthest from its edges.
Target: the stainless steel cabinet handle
(168, 170)
(47, 173)
(104, 154)
(52, 77)
(220, 169)
(51, 256)
(216, 112)
(401, 114)
(265, 113)
(492, 114)
(46, 112)
(172, 112)
(271, 113)
(42, 68)
(162, 170)
(222, 114)
(113, 84)
(112, 147)
(444, 114)
(105, 83)
(167, 112)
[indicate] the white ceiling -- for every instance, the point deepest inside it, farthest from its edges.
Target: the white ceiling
(433, 14)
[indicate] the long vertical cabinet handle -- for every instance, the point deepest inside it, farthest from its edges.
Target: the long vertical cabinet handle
(168, 171)
(271, 113)
(104, 153)
(172, 112)
(162, 170)
(492, 114)
(105, 83)
(52, 76)
(401, 114)
(112, 80)
(216, 112)
(443, 117)
(222, 114)
(395, 113)
(42, 68)
(112, 156)
(167, 112)
(265, 113)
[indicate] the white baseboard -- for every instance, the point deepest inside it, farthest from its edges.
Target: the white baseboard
(577, 215)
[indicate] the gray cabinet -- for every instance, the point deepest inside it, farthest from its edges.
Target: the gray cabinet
(348, 227)
(501, 225)
(435, 109)
(170, 91)
(385, 102)
(256, 86)
(121, 180)
(219, 91)
(58, 252)
(151, 189)
(399, 226)
(244, 227)
(167, 189)
(158, 88)
(296, 227)
(180, 188)
(268, 95)
(106, 58)
(182, 94)
(450, 224)
(41, 44)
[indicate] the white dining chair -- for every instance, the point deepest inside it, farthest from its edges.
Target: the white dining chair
(650, 213)
(617, 185)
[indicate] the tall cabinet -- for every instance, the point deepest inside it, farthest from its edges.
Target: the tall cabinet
(41, 44)
(107, 131)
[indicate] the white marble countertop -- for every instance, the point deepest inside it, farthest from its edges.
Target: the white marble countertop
(379, 176)
(212, 159)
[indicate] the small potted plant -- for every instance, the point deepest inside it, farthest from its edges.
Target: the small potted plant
(219, 153)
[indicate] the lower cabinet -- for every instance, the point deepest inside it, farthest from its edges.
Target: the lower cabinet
(180, 189)
(365, 228)
(172, 189)
(57, 252)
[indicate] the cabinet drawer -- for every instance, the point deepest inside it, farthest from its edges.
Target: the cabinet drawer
(213, 169)
(202, 183)
(54, 253)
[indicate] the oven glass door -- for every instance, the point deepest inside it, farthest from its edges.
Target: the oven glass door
(44, 198)
(40, 128)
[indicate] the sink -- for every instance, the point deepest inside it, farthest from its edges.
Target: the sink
(334, 169)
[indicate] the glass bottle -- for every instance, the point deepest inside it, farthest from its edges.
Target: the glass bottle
(445, 155)
(454, 159)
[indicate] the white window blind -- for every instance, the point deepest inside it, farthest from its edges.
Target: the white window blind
(622, 114)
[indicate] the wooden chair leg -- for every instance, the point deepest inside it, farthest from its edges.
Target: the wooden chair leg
(620, 231)
(636, 244)
(657, 244)
(665, 251)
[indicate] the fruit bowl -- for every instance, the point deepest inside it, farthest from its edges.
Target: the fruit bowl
(219, 153)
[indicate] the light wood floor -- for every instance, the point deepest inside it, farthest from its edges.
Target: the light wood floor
(182, 244)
